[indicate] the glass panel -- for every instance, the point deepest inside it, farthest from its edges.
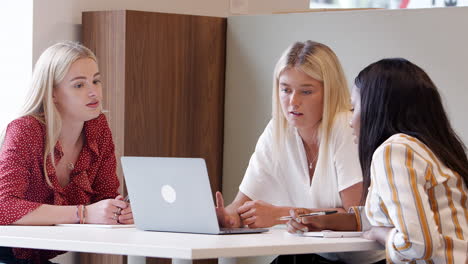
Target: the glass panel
(392, 4)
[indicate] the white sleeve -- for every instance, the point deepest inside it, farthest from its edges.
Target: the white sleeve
(258, 182)
(400, 174)
(345, 154)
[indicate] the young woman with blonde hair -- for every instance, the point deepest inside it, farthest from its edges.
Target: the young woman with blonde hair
(306, 156)
(57, 161)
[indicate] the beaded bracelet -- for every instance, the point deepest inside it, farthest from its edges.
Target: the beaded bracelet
(78, 213)
(84, 214)
(81, 213)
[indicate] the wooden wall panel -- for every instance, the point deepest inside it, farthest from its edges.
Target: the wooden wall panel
(175, 87)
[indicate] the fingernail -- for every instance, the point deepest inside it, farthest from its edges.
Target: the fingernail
(298, 219)
(299, 232)
(305, 229)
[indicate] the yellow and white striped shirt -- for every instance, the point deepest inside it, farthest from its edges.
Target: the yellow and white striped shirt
(426, 203)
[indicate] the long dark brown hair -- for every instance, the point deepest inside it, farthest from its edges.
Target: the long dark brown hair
(397, 96)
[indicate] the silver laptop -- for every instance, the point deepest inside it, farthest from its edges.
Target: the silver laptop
(173, 195)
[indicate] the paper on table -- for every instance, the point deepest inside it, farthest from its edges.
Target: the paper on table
(332, 234)
(96, 225)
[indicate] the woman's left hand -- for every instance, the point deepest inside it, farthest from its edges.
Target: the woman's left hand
(377, 233)
(126, 216)
(257, 214)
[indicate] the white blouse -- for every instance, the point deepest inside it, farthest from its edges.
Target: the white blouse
(287, 183)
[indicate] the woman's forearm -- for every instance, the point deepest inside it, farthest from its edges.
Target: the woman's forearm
(49, 215)
(337, 222)
(282, 211)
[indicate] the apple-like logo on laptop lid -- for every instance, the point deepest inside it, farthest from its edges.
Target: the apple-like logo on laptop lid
(168, 194)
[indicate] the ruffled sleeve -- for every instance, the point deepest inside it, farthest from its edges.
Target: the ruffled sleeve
(106, 182)
(16, 158)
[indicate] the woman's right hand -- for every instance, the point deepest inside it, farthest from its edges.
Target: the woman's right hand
(225, 219)
(336, 222)
(104, 211)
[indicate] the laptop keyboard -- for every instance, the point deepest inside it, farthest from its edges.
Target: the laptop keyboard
(240, 230)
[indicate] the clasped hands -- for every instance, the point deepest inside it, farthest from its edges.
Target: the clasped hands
(110, 211)
(254, 214)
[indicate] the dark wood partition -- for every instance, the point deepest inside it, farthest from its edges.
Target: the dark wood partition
(163, 78)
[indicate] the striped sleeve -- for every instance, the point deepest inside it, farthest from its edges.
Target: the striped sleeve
(400, 174)
(362, 221)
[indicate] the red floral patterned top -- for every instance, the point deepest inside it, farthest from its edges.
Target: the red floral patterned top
(22, 182)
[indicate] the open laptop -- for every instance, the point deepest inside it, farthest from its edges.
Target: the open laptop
(173, 195)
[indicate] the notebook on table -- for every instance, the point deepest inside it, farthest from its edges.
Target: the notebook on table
(333, 234)
(173, 195)
(97, 225)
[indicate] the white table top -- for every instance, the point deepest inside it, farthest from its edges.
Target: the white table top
(130, 241)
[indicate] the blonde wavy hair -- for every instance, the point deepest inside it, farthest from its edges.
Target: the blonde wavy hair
(319, 62)
(49, 71)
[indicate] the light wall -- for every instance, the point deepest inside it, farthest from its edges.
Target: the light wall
(58, 20)
(15, 56)
(435, 39)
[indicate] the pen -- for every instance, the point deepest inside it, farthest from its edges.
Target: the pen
(309, 214)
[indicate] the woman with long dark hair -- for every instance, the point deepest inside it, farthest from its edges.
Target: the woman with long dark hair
(414, 167)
